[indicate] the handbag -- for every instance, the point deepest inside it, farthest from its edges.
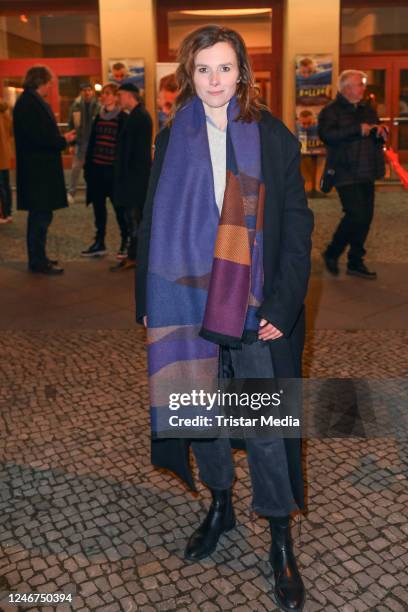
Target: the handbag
(328, 177)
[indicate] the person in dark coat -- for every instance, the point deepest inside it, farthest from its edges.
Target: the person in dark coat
(349, 127)
(40, 175)
(132, 166)
(223, 267)
(81, 116)
(99, 171)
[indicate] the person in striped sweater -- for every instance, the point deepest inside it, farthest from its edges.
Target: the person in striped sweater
(99, 171)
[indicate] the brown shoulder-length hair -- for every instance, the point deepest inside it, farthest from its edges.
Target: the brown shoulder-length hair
(208, 36)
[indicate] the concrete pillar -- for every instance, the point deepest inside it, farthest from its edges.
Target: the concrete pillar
(128, 29)
(309, 27)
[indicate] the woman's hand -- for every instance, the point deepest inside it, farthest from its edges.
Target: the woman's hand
(145, 320)
(267, 331)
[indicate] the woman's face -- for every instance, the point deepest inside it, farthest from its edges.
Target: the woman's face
(216, 74)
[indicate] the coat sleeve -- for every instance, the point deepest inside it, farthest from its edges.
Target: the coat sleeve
(90, 148)
(138, 160)
(146, 224)
(284, 304)
(330, 131)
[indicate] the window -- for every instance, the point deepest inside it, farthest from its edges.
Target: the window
(254, 25)
(49, 35)
(374, 29)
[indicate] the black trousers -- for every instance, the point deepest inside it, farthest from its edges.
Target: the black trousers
(5, 193)
(102, 177)
(357, 201)
(272, 493)
(132, 219)
(38, 222)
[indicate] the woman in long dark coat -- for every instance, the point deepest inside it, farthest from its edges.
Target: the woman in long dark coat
(223, 266)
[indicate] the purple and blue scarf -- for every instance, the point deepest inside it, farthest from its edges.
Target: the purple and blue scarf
(205, 272)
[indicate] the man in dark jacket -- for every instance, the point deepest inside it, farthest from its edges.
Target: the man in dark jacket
(350, 129)
(132, 165)
(40, 175)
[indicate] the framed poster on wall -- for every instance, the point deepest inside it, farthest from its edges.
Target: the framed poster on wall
(314, 73)
(127, 70)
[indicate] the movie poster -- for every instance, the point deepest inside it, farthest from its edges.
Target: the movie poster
(313, 91)
(127, 71)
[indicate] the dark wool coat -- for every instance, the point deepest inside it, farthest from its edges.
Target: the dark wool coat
(355, 158)
(40, 175)
(288, 225)
(133, 160)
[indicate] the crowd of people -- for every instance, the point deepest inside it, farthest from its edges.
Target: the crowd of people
(112, 140)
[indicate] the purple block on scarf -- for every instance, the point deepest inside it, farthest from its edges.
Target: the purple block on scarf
(227, 302)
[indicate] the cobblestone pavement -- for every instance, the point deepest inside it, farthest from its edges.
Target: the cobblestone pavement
(83, 512)
(72, 229)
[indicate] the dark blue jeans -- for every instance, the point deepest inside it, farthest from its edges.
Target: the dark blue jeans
(268, 467)
(38, 222)
(5, 193)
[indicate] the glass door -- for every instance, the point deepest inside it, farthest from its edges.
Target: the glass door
(400, 115)
(259, 23)
(387, 88)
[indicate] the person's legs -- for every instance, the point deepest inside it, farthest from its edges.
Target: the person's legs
(128, 248)
(98, 247)
(99, 195)
(100, 217)
(5, 194)
(349, 197)
(358, 205)
(362, 217)
(132, 218)
(120, 214)
(214, 456)
(267, 462)
(76, 169)
(216, 471)
(272, 491)
(214, 461)
(38, 223)
(120, 211)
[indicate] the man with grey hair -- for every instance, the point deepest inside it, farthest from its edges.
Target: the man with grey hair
(349, 127)
(40, 176)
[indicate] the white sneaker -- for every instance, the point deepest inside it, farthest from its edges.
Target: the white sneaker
(71, 199)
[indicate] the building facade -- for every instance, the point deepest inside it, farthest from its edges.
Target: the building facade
(81, 39)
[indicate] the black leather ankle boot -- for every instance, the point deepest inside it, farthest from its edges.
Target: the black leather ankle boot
(220, 518)
(289, 588)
